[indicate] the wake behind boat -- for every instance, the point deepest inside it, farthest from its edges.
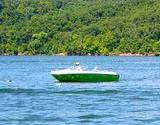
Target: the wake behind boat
(76, 74)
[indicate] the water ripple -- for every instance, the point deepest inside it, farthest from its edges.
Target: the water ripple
(20, 91)
(91, 116)
(90, 92)
(29, 91)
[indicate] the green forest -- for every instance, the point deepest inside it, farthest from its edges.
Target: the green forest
(79, 27)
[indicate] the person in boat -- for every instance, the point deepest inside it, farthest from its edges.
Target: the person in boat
(96, 68)
(77, 66)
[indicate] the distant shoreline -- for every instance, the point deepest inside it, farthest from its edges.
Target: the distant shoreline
(112, 54)
(137, 54)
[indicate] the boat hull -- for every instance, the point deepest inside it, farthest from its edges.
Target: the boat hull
(86, 77)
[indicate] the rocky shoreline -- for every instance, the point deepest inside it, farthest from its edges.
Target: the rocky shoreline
(138, 54)
(65, 54)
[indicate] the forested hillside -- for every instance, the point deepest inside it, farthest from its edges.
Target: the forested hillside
(79, 27)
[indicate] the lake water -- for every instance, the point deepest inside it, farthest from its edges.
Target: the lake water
(34, 97)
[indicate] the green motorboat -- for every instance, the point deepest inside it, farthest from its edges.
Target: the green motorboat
(79, 75)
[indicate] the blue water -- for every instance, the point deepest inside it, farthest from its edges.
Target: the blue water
(33, 97)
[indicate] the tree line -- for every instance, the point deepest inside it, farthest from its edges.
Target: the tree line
(79, 27)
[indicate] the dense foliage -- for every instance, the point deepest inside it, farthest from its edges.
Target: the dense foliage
(79, 26)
